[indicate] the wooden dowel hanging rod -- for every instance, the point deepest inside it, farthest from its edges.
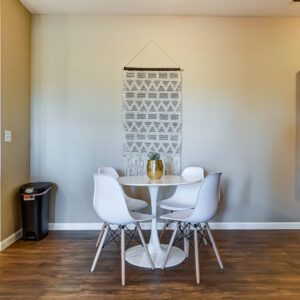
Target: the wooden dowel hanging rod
(151, 69)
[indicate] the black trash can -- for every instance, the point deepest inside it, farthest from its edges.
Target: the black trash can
(34, 199)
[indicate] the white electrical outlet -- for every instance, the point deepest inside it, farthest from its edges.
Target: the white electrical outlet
(7, 136)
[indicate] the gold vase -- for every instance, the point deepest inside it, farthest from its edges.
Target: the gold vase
(155, 169)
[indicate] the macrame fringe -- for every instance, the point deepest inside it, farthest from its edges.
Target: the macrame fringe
(136, 164)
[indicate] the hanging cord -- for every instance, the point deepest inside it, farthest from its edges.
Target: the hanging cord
(161, 49)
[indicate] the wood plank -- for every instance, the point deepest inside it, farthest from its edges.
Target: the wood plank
(257, 265)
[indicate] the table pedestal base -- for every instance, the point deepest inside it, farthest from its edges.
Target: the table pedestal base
(136, 256)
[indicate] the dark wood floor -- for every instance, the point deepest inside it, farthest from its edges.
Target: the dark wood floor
(258, 265)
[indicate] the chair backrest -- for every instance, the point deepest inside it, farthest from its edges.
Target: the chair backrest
(196, 172)
(189, 192)
(208, 199)
(108, 171)
(109, 202)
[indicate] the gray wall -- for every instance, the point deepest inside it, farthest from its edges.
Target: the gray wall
(239, 105)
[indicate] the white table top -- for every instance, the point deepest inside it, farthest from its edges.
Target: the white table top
(167, 180)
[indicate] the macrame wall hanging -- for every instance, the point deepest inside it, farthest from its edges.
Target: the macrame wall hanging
(152, 117)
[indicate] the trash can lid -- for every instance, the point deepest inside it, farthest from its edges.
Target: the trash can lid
(35, 188)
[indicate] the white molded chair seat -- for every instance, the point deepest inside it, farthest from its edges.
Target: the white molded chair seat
(135, 204)
(185, 196)
(206, 207)
(170, 204)
(109, 203)
(179, 215)
(132, 203)
(139, 217)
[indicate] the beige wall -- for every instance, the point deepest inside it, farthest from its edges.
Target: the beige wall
(297, 175)
(15, 109)
(0, 118)
(239, 105)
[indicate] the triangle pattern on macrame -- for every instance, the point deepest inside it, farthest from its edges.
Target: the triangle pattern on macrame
(152, 117)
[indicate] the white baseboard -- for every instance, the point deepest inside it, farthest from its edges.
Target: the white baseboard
(88, 226)
(218, 226)
(11, 239)
(75, 226)
(255, 226)
(147, 226)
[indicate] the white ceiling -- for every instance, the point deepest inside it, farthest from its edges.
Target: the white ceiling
(166, 7)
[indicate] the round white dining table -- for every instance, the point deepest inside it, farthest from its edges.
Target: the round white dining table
(136, 255)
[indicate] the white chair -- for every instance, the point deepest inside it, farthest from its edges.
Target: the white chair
(185, 196)
(115, 211)
(132, 204)
(205, 209)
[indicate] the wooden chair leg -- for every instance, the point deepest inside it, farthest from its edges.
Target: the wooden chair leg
(187, 242)
(100, 248)
(196, 255)
(214, 246)
(170, 246)
(145, 246)
(166, 223)
(100, 234)
(123, 255)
